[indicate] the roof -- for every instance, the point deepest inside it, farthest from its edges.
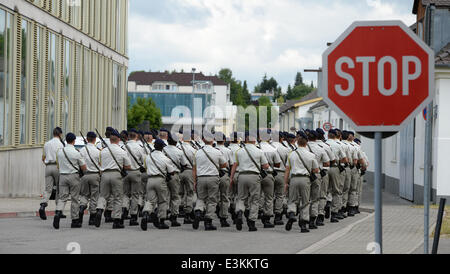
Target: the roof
(437, 3)
(307, 99)
(180, 78)
(319, 104)
(443, 57)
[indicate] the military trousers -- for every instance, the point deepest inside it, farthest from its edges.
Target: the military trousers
(207, 195)
(346, 188)
(174, 194)
(299, 193)
(323, 193)
(131, 189)
(335, 182)
(266, 195)
(354, 188)
(279, 192)
(143, 189)
(69, 185)
(249, 189)
(224, 196)
(90, 191)
(156, 196)
(315, 197)
(187, 185)
(111, 188)
(360, 189)
(51, 180)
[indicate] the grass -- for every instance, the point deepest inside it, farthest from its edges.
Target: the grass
(445, 229)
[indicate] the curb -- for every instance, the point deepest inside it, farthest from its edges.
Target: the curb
(31, 214)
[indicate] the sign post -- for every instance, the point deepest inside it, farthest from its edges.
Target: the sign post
(378, 75)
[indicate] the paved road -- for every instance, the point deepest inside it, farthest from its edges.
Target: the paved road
(31, 235)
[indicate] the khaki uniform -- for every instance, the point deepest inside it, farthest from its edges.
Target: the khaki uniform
(51, 170)
(132, 185)
(69, 180)
(349, 173)
(336, 179)
(300, 184)
(224, 184)
(319, 189)
(90, 183)
(249, 179)
(144, 176)
(279, 195)
(234, 189)
(186, 177)
(111, 184)
(157, 191)
(208, 179)
(176, 157)
(268, 183)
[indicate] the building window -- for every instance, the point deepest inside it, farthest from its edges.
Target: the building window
(5, 77)
(24, 83)
(86, 90)
(52, 83)
(38, 84)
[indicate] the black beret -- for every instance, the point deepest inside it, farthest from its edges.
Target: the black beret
(159, 142)
(133, 131)
(91, 134)
(163, 130)
(333, 131)
(351, 133)
(302, 134)
(70, 137)
(290, 136)
(124, 132)
(314, 133)
(320, 131)
(109, 129)
(357, 140)
(115, 133)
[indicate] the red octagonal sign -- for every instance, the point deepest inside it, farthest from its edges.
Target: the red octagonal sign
(379, 75)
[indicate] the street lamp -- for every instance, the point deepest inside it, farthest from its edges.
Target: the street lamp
(193, 90)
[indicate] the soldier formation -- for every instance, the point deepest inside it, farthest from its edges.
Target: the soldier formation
(154, 177)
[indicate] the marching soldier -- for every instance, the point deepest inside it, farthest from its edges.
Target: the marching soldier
(318, 188)
(268, 183)
(207, 164)
(234, 147)
(175, 155)
(350, 177)
(250, 163)
(100, 145)
(114, 161)
(363, 171)
(132, 183)
(224, 186)
(187, 179)
(301, 170)
(159, 170)
(51, 170)
(90, 182)
(71, 165)
(359, 164)
(147, 147)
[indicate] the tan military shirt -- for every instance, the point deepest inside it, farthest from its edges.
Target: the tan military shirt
(244, 161)
(94, 153)
(204, 166)
(188, 154)
(108, 162)
(63, 162)
(271, 155)
(138, 153)
(321, 154)
(296, 164)
(50, 149)
(160, 159)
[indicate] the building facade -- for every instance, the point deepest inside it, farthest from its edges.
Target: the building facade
(176, 89)
(62, 63)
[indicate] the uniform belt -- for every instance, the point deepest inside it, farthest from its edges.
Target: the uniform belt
(51, 164)
(208, 176)
(249, 173)
(299, 175)
(111, 170)
(153, 176)
(91, 172)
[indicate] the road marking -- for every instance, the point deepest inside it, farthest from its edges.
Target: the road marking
(333, 237)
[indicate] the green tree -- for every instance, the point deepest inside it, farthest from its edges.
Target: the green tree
(238, 95)
(298, 79)
(298, 92)
(145, 109)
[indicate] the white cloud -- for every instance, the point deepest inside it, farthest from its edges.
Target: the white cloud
(252, 37)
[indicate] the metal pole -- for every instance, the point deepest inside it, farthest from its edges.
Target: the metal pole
(437, 232)
(427, 177)
(378, 198)
(193, 97)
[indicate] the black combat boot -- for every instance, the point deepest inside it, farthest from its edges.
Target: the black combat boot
(246, 213)
(224, 223)
(251, 226)
(209, 226)
(42, 211)
(181, 212)
(266, 222)
(342, 213)
(312, 223)
(124, 214)
(117, 224)
(218, 210)
(334, 218)
(133, 220)
(76, 223)
(357, 210)
(339, 215)
(98, 217)
(140, 208)
(327, 210)
(187, 219)
(285, 213)
(320, 220)
(278, 219)
(154, 219)
(81, 213)
(291, 220)
(63, 216)
(144, 221)
(108, 218)
(162, 225)
(350, 212)
(92, 219)
(260, 214)
(303, 228)
(197, 217)
(173, 221)
(239, 220)
(56, 219)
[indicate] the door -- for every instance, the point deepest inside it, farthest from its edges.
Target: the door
(406, 185)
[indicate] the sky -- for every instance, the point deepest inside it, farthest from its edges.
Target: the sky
(251, 37)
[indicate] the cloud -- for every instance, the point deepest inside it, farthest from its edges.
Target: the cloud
(251, 37)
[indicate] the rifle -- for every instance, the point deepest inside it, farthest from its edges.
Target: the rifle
(141, 168)
(92, 160)
(123, 172)
(84, 139)
(145, 142)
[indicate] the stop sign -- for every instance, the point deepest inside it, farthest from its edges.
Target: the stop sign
(379, 75)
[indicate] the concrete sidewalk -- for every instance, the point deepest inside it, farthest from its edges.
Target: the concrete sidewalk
(402, 229)
(26, 207)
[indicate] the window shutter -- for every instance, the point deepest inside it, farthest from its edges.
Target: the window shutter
(17, 87)
(60, 8)
(45, 130)
(34, 88)
(74, 93)
(60, 113)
